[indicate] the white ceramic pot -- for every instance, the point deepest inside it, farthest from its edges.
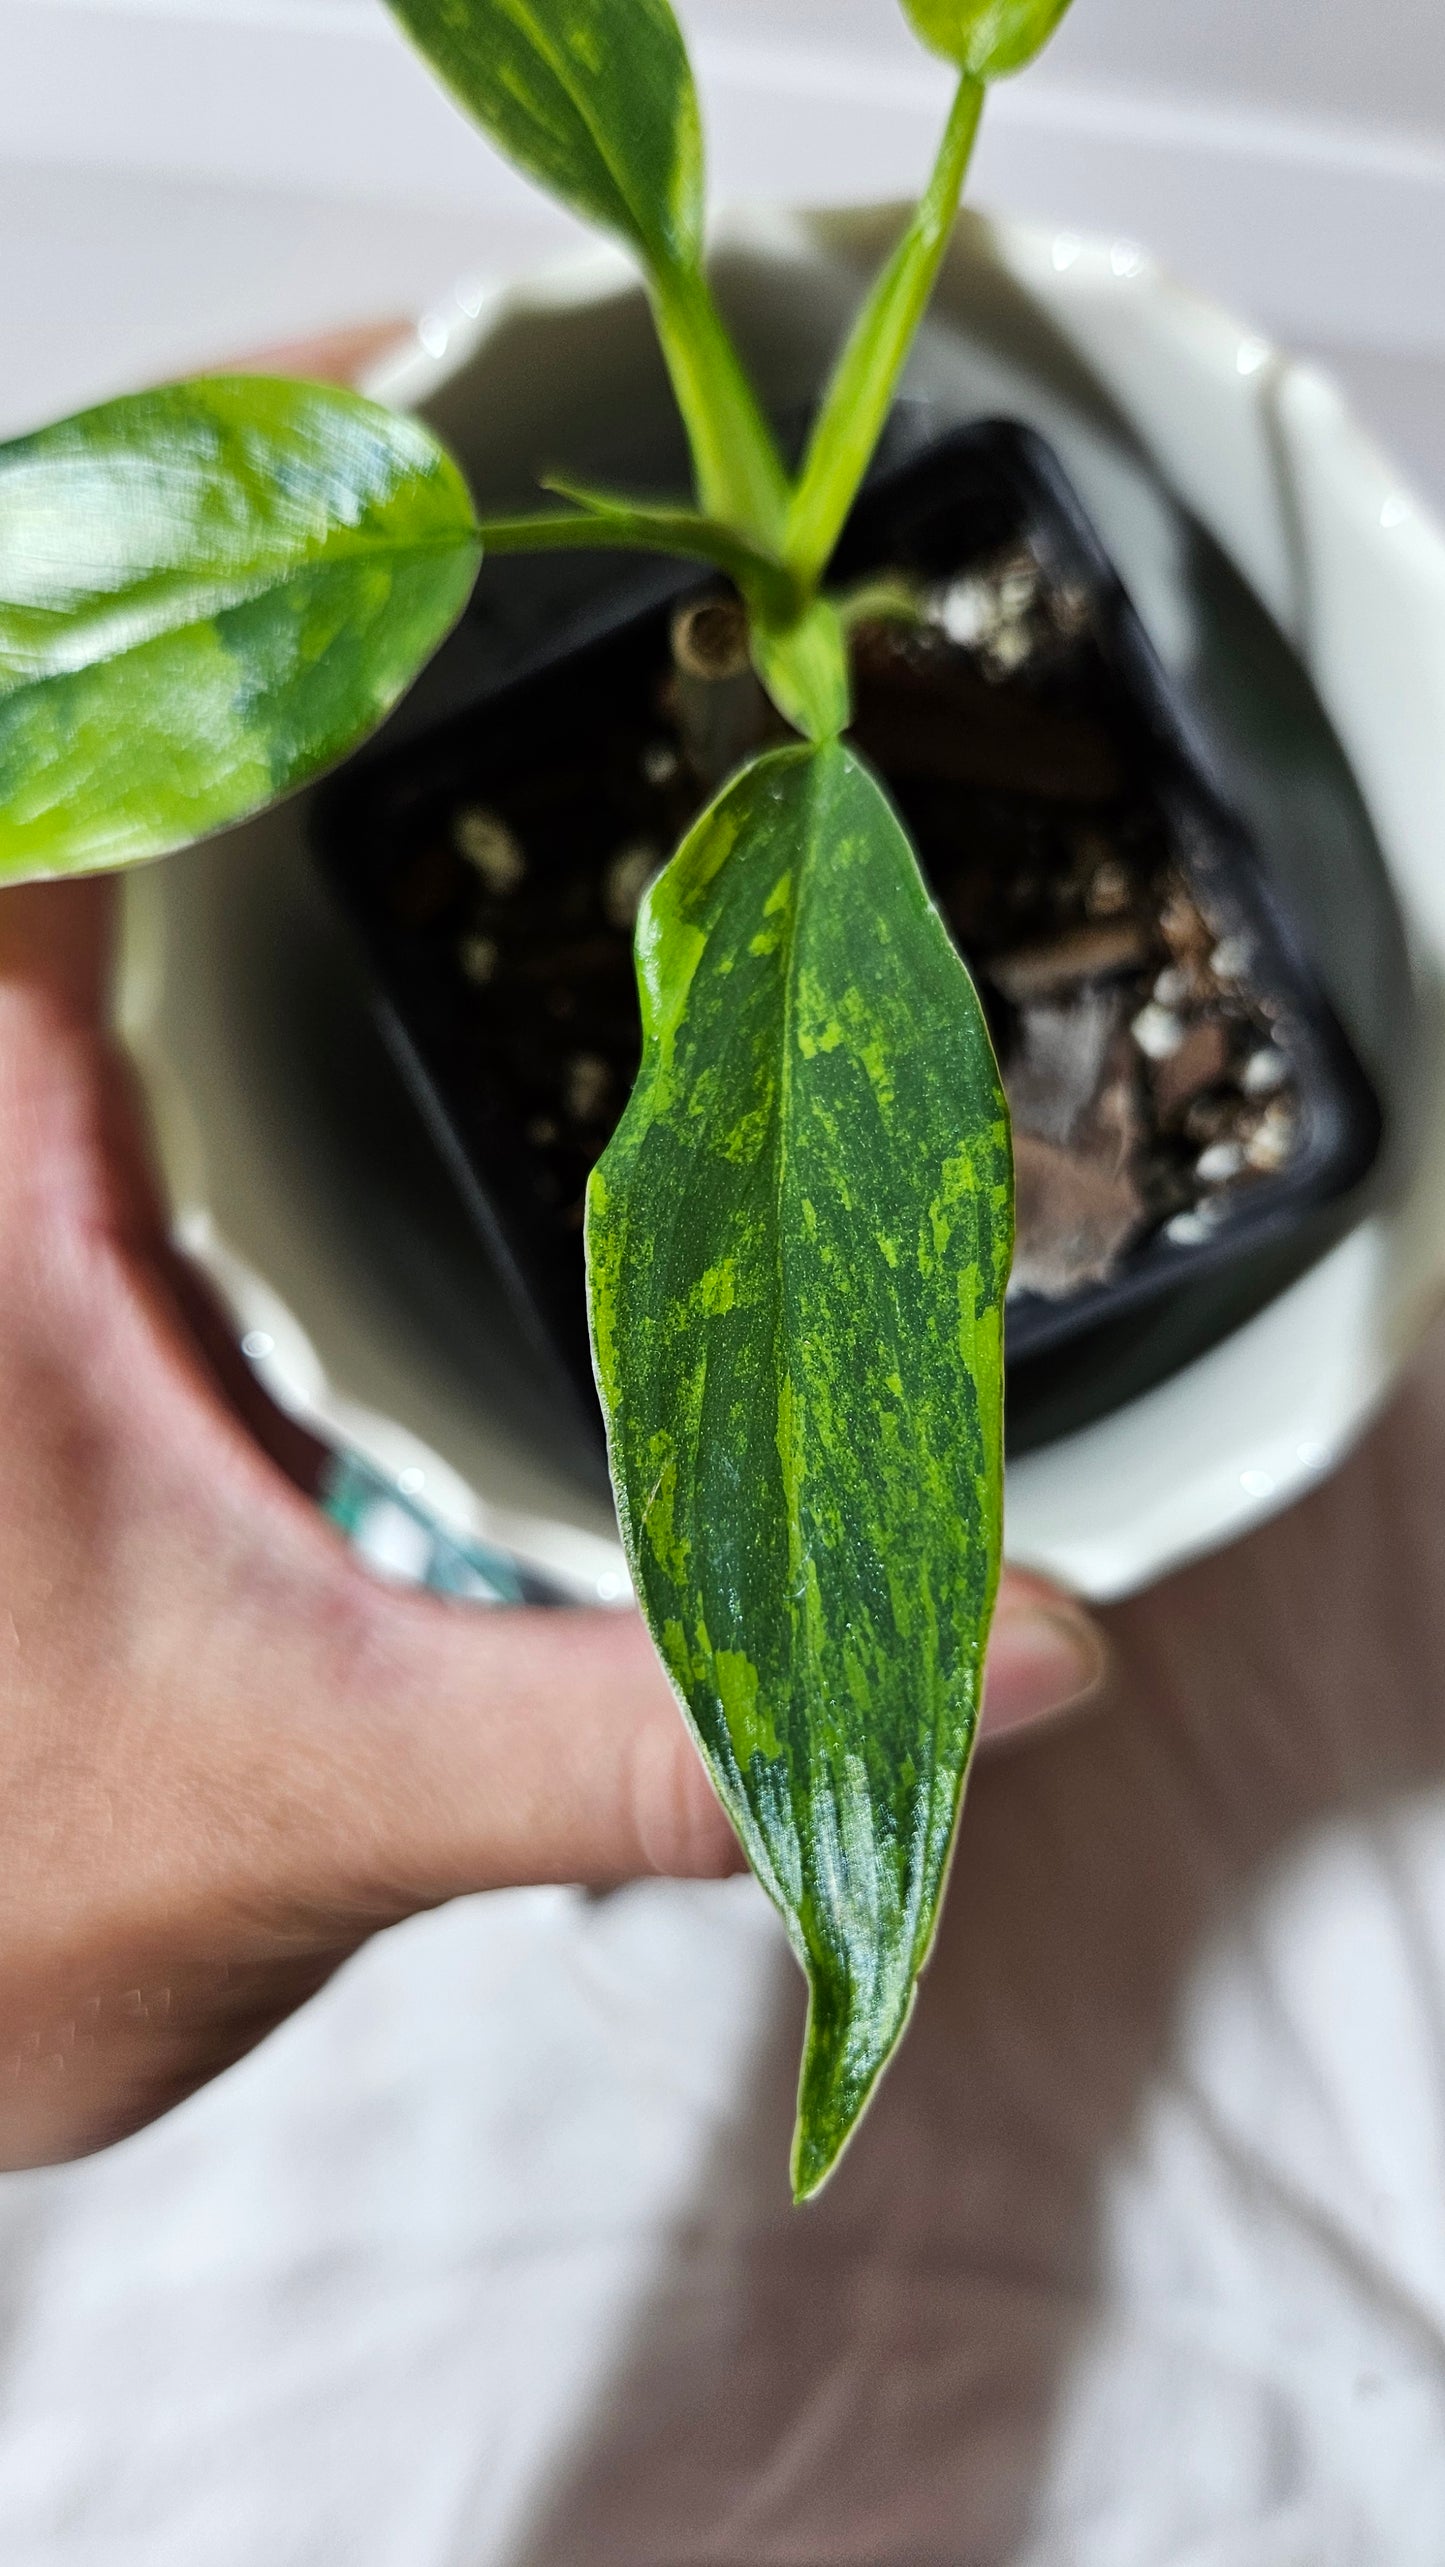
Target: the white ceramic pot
(1171, 418)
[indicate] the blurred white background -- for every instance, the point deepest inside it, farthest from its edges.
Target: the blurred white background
(184, 178)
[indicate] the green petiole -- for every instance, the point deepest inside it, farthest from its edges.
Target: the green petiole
(798, 640)
(599, 523)
(860, 392)
(740, 473)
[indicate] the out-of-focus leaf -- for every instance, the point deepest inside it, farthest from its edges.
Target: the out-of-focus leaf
(208, 593)
(798, 1241)
(986, 38)
(593, 98)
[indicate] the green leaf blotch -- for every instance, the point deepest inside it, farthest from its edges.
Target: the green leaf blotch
(798, 1241)
(208, 593)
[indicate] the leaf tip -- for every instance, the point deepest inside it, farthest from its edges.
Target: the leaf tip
(850, 2041)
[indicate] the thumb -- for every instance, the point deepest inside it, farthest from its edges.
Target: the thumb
(531, 1746)
(489, 1750)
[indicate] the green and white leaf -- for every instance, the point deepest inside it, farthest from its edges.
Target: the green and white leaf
(986, 38)
(593, 98)
(207, 594)
(798, 1242)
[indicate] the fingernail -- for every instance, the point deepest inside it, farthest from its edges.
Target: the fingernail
(1042, 1659)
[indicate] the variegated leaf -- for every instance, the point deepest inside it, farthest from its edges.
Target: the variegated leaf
(798, 1241)
(593, 98)
(206, 594)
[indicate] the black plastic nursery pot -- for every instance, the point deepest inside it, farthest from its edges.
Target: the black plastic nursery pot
(1184, 1099)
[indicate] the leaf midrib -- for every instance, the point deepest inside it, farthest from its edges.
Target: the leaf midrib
(832, 753)
(568, 81)
(797, 1597)
(328, 554)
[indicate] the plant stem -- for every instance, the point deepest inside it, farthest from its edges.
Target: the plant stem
(861, 389)
(804, 667)
(740, 475)
(616, 526)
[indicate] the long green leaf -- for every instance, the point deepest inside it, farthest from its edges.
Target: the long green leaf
(797, 1243)
(593, 98)
(206, 594)
(860, 393)
(986, 38)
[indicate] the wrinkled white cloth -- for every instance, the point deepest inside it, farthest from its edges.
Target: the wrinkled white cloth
(486, 2259)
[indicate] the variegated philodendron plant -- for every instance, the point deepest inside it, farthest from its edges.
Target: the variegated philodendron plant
(799, 1236)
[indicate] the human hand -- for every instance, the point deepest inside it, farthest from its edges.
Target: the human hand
(228, 1754)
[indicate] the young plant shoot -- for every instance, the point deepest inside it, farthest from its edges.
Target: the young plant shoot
(799, 1237)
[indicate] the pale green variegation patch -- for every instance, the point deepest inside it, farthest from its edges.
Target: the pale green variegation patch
(808, 1461)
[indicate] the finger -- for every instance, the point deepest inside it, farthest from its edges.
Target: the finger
(1046, 1656)
(56, 938)
(530, 1746)
(513, 1747)
(329, 356)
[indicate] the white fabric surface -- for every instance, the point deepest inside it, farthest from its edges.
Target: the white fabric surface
(486, 2260)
